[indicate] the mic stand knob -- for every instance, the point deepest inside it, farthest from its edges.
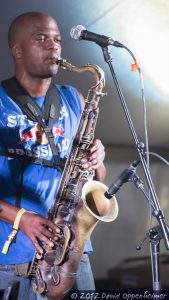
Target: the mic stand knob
(138, 247)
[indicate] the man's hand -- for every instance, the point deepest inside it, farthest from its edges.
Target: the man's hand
(94, 156)
(36, 228)
(93, 160)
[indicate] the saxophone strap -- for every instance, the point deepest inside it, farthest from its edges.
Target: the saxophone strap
(34, 160)
(45, 118)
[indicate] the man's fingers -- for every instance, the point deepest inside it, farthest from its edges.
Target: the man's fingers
(36, 244)
(51, 225)
(95, 146)
(39, 228)
(46, 232)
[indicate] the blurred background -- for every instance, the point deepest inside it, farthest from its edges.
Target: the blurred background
(143, 27)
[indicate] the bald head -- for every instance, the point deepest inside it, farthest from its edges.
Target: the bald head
(20, 23)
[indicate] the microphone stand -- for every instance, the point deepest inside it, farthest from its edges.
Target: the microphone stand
(154, 234)
(156, 210)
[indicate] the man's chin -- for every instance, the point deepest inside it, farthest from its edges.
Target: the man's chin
(52, 71)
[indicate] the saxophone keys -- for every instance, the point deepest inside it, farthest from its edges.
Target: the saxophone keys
(38, 284)
(101, 94)
(49, 257)
(38, 289)
(39, 255)
(57, 255)
(55, 278)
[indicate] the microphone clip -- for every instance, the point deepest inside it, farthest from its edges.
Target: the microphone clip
(126, 176)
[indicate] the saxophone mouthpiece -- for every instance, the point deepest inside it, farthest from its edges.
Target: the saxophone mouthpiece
(57, 60)
(60, 62)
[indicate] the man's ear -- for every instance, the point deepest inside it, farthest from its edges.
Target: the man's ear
(16, 51)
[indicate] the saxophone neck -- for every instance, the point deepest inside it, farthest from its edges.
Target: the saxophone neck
(94, 69)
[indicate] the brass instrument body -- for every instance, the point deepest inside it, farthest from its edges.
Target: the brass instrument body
(79, 204)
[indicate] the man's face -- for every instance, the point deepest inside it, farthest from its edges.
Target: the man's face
(40, 46)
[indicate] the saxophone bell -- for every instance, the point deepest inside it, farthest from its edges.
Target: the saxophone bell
(97, 204)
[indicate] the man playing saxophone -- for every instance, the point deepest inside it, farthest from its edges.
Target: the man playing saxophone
(29, 189)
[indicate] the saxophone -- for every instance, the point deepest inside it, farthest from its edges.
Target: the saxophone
(79, 204)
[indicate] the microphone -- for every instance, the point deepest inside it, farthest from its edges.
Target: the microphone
(79, 32)
(124, 177)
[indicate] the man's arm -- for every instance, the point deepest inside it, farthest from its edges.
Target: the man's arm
(31, 224)
(101, 172)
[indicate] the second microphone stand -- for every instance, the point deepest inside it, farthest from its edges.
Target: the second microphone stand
(154, 234)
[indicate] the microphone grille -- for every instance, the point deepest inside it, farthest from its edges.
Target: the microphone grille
(76, 31)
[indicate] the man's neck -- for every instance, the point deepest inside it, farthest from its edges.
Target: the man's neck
(35, 87)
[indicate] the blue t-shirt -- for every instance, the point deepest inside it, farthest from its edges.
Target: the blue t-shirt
(40, 184)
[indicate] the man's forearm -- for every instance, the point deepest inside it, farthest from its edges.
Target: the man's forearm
(8, 212)
(101, 172)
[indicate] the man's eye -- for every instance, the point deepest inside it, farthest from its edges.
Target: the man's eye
(58, 40)
(41, 38)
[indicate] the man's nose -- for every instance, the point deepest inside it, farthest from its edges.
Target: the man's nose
(52, 44)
